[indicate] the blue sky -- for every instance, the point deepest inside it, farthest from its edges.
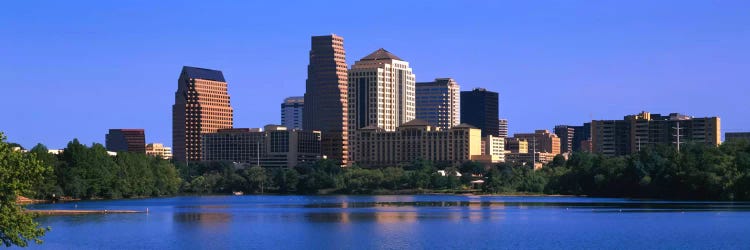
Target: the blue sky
(73, 69)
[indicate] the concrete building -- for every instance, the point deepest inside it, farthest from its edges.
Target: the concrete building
(479, 108)
(158, 149)
(273, 146)
(566, 134)
(201, 106)
(541, 141)
(326, 96)
(635, 132)
(439, 102)
(502, 128)
(515, 145)
(416, 140)
(493, 149)
(381, 92)
(126, 140)
(736, 136)
(292, 112)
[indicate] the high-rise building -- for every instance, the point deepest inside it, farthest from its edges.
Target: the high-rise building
(326, 93)
(416, 140)
(381, 92)
(736, 136)
(635, 132)
(566, 134)
(126, 140)
(479, 108)
(201, 106)
(438, 102)
(292, 112)
(273, 146)
(158, 149)
(502, 128)
(541, 141)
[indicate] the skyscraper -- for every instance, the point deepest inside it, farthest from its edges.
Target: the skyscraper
(438, 102)
(381, 92)
(326, 106)
(479, 107)
(201, 106)
(126, 140)
(566, 134)
(291, 112)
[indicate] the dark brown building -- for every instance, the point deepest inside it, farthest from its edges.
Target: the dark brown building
(326, 96)
(126, 140)
(201, 106)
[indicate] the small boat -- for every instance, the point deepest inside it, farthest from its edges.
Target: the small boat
(238, 193)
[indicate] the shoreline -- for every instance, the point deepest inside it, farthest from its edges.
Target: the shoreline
(54, 212)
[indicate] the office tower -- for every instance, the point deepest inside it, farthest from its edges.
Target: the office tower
(582, 138)
(292, 112)
(381, 92)
(566, 134)
(126, 140)
(273, 146)
(201, 106)
(158, 149)
(541, 141)
(438, 102)
(502, 128)
(736, 136)
(326, 107)
(479, 108)
(416, 140)
(635, 132)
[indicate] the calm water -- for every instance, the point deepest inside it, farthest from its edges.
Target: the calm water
(400, 222)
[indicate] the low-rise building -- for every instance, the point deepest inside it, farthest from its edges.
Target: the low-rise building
(416, 139)
(158, 149)
(273, 146)
(736, 136)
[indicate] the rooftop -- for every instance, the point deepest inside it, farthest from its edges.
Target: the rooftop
(205, 74)
(380, 54)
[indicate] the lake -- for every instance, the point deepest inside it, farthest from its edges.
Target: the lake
(399, 222)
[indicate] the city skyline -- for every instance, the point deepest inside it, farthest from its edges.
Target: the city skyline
(682, 56)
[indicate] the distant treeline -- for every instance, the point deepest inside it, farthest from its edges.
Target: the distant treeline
(84, 172)
(696, 172)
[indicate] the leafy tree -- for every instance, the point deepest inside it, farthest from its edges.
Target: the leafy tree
(18, 173)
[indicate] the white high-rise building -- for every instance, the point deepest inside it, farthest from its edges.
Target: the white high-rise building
(438, 102)
(381, 92)
(291, 112)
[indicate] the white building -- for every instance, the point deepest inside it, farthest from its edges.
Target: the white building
(158, 149)
(438, 102)
(381, 92)
(291, 112)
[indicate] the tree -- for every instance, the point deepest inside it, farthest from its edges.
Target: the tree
(18, 173)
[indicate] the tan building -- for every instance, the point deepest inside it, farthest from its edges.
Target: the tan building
(416, 140)
(158, 149)
(273, 146)
(326, 104)
(493, 149)
(201, 106)
(541, 141)
(515, 145)
(381, 92)
(635, 132)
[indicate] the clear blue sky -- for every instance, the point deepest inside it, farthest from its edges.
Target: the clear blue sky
(73, 69)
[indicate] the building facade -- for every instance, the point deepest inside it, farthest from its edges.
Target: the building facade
(635, 132)
(273, 146)
(566, 134)
(201, 106)
(326, 96)
(126, 140)
(439, 102)
(493, 147)
(416, 140)
(292, 111)
(502, 128)
(736, 136)
(515, 145)
(158, 149)
(479, 108)
(381, 92)
(541, 141)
